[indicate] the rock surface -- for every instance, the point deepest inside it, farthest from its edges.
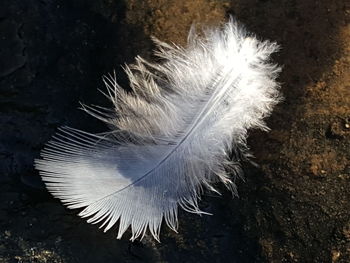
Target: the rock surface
(294, 208)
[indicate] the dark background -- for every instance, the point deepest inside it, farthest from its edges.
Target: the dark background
(293, 208)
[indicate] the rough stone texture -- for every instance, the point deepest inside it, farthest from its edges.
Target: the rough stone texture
(294, 208)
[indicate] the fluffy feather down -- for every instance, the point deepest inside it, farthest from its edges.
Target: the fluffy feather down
(170, 137)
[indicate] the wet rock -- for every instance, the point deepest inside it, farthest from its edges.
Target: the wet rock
(12, 52)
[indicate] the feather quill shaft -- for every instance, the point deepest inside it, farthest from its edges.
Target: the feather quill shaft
(170, 137)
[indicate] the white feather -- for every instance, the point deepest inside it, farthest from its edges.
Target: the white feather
(170, 137)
